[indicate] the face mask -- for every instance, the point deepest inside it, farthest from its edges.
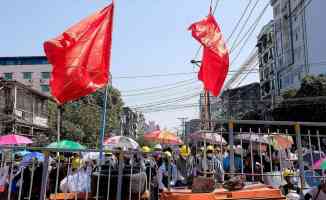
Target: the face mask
(293, 180)
(210, 155)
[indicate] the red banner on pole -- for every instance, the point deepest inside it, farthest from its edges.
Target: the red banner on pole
(215, 62)
(81, 57)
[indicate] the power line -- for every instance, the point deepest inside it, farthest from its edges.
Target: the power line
(155, 87)
(243, 25)
(251, 29)
(239, 21)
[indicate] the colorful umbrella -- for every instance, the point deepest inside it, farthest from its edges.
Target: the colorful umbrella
(27, 159)
(122, 142)
(163, 137)
(320, 164)
(22, 153)
(247, 137)
(281, 142)
(13, 139)
(210, 137)
(66, 144)
(310, 157)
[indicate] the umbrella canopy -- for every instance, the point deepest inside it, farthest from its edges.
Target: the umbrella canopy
(247, 137)
(66, 144)
(320, 164)
(13, 139)
(22, 153)
(281, 142)
(27, 159)
(91, 156)
(210, 137)
(122, 142)
(310, 157)
(163, 137)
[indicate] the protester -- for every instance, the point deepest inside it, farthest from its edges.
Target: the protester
(317, 193)
(211, 165)
(167, 172)
(237, 161)
(184, 166)
(291, 183)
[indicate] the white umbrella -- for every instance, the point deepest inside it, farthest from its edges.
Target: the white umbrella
(122, 142)
(91, 156)
(210, 137)
(247, 137)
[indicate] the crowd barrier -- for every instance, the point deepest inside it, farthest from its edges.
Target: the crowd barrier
(250, 150)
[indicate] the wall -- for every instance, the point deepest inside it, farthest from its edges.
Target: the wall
(316, 36)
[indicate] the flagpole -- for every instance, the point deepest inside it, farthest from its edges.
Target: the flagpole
(103, 121)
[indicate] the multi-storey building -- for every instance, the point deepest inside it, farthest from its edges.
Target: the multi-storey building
(237, 102)
(266, 52)
(23, 110)
(33, 71)
(299, 41)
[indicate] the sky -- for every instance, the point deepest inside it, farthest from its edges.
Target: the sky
(150, 37)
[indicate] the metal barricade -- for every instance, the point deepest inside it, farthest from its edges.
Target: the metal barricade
(252, 153)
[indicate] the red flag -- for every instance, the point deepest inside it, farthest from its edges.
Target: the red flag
(215, 62)
(81, 57)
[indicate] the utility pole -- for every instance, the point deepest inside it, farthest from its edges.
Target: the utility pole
(207, 111)
(183, 126)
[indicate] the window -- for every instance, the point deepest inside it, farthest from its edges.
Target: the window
(8, 76)
(45, 88)
(27, 75)
(45, 75)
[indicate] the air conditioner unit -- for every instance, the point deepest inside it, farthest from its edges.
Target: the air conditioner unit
(42, 81)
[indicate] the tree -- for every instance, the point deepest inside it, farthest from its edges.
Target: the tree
(81, 120)
(306, 104)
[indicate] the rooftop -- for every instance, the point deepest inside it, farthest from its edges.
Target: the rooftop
(24, 60)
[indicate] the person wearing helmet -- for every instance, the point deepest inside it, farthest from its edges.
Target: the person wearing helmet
(211, 165)
(167, 172)
(317, 193)
(184, 166)
(157, 147)
(291, 182)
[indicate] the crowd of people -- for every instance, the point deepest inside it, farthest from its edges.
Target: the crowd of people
(161, 168)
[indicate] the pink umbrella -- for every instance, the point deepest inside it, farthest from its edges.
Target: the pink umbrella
(13, 139)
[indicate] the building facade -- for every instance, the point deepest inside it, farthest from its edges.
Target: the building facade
(266, 52)
(238, 102)
(23, 110)
(192, 126)
(299, 41)
(33, 71)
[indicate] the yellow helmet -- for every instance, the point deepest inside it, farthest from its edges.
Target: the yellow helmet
(76, 163)
(288, 172)
(146, 149)
(185, 151)
(210, 148)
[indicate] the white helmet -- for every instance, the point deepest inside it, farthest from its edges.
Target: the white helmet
(157, 147)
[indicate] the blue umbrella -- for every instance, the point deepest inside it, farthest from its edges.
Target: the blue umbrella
(23, 153)
(32, 155)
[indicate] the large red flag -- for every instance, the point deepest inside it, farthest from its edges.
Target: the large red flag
(81, 57)
(215, 62)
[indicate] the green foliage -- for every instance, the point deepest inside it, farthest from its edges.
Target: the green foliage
(307, 104)
(289, 94)
(312, 86)
(81, 120)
